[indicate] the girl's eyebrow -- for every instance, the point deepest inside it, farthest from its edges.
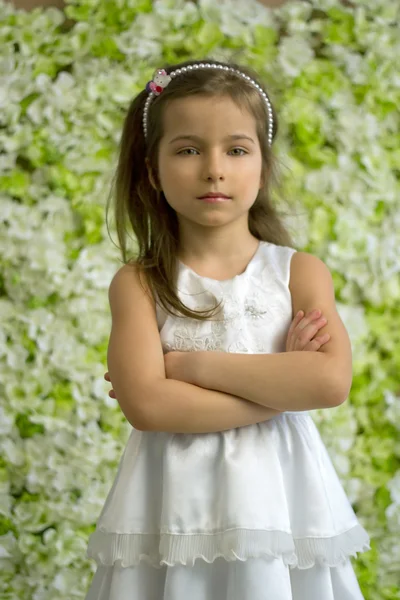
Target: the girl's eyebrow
(196, 138)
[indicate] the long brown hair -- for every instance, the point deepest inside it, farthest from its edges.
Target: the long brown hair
(153, 221)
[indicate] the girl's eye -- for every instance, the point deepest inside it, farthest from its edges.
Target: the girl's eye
(187, 150)
(240, 150)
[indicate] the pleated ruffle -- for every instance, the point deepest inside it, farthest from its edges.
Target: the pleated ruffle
(157, 550)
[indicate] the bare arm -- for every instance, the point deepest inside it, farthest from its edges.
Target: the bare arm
(180, 407)
(293, 381)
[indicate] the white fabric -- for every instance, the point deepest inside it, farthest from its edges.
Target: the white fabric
(250, 513)
(254, 579)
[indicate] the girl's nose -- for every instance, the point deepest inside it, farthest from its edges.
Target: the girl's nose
(214, 170)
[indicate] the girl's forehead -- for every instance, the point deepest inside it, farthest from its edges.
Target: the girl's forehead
(194, 110)
(202, 102)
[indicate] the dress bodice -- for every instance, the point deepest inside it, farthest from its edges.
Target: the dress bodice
(255, 314)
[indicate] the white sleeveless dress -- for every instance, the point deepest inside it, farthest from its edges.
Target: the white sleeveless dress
(253, 513)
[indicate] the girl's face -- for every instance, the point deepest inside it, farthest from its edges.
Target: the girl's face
(209, 145)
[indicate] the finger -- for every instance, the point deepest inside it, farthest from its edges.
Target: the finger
(294, 323)
(112, 394)
(291, 329)
(107, 376)
(309, 318)
(312, 346)
(296, 320)
(307, 330)
(316, 343)
(305, 335)
(299, 339)
(300, 322)
(315, 326)
(324, 338)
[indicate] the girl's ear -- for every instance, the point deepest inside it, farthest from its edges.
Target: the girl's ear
(150, 173)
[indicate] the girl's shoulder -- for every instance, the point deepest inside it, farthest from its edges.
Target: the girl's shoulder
(133, 272)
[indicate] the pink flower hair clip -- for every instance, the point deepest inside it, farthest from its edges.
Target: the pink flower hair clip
(159, 82)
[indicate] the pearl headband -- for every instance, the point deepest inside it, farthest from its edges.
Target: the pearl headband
(161, 79)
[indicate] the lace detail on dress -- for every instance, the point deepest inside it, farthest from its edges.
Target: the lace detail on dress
(256, 305)
(242, 315)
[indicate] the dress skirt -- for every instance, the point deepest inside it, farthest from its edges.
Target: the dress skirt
(254, 579)
(253, 513)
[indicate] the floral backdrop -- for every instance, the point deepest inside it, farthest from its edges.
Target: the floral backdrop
(332, 71)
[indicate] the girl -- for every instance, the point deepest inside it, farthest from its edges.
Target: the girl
(225, 490)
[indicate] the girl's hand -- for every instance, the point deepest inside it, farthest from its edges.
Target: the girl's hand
(178, 365)
(302, 332)
(111, 393)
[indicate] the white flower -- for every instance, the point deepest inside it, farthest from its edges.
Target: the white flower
(393, 410)
(294, 54)
(6, 422)
(236, 17)
(394, 487)
(12, 452)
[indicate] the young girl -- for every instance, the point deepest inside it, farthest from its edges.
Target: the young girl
(225, 490)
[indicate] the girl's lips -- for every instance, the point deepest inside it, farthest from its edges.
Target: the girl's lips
(214, 199)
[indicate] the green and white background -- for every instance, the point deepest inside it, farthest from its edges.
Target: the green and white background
(333, 72)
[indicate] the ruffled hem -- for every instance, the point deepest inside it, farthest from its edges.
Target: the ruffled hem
(129, 549)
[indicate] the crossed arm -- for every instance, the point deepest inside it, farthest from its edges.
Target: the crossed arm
(232, 390)
(294, 381)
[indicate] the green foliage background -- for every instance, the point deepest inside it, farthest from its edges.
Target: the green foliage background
(332, 71)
